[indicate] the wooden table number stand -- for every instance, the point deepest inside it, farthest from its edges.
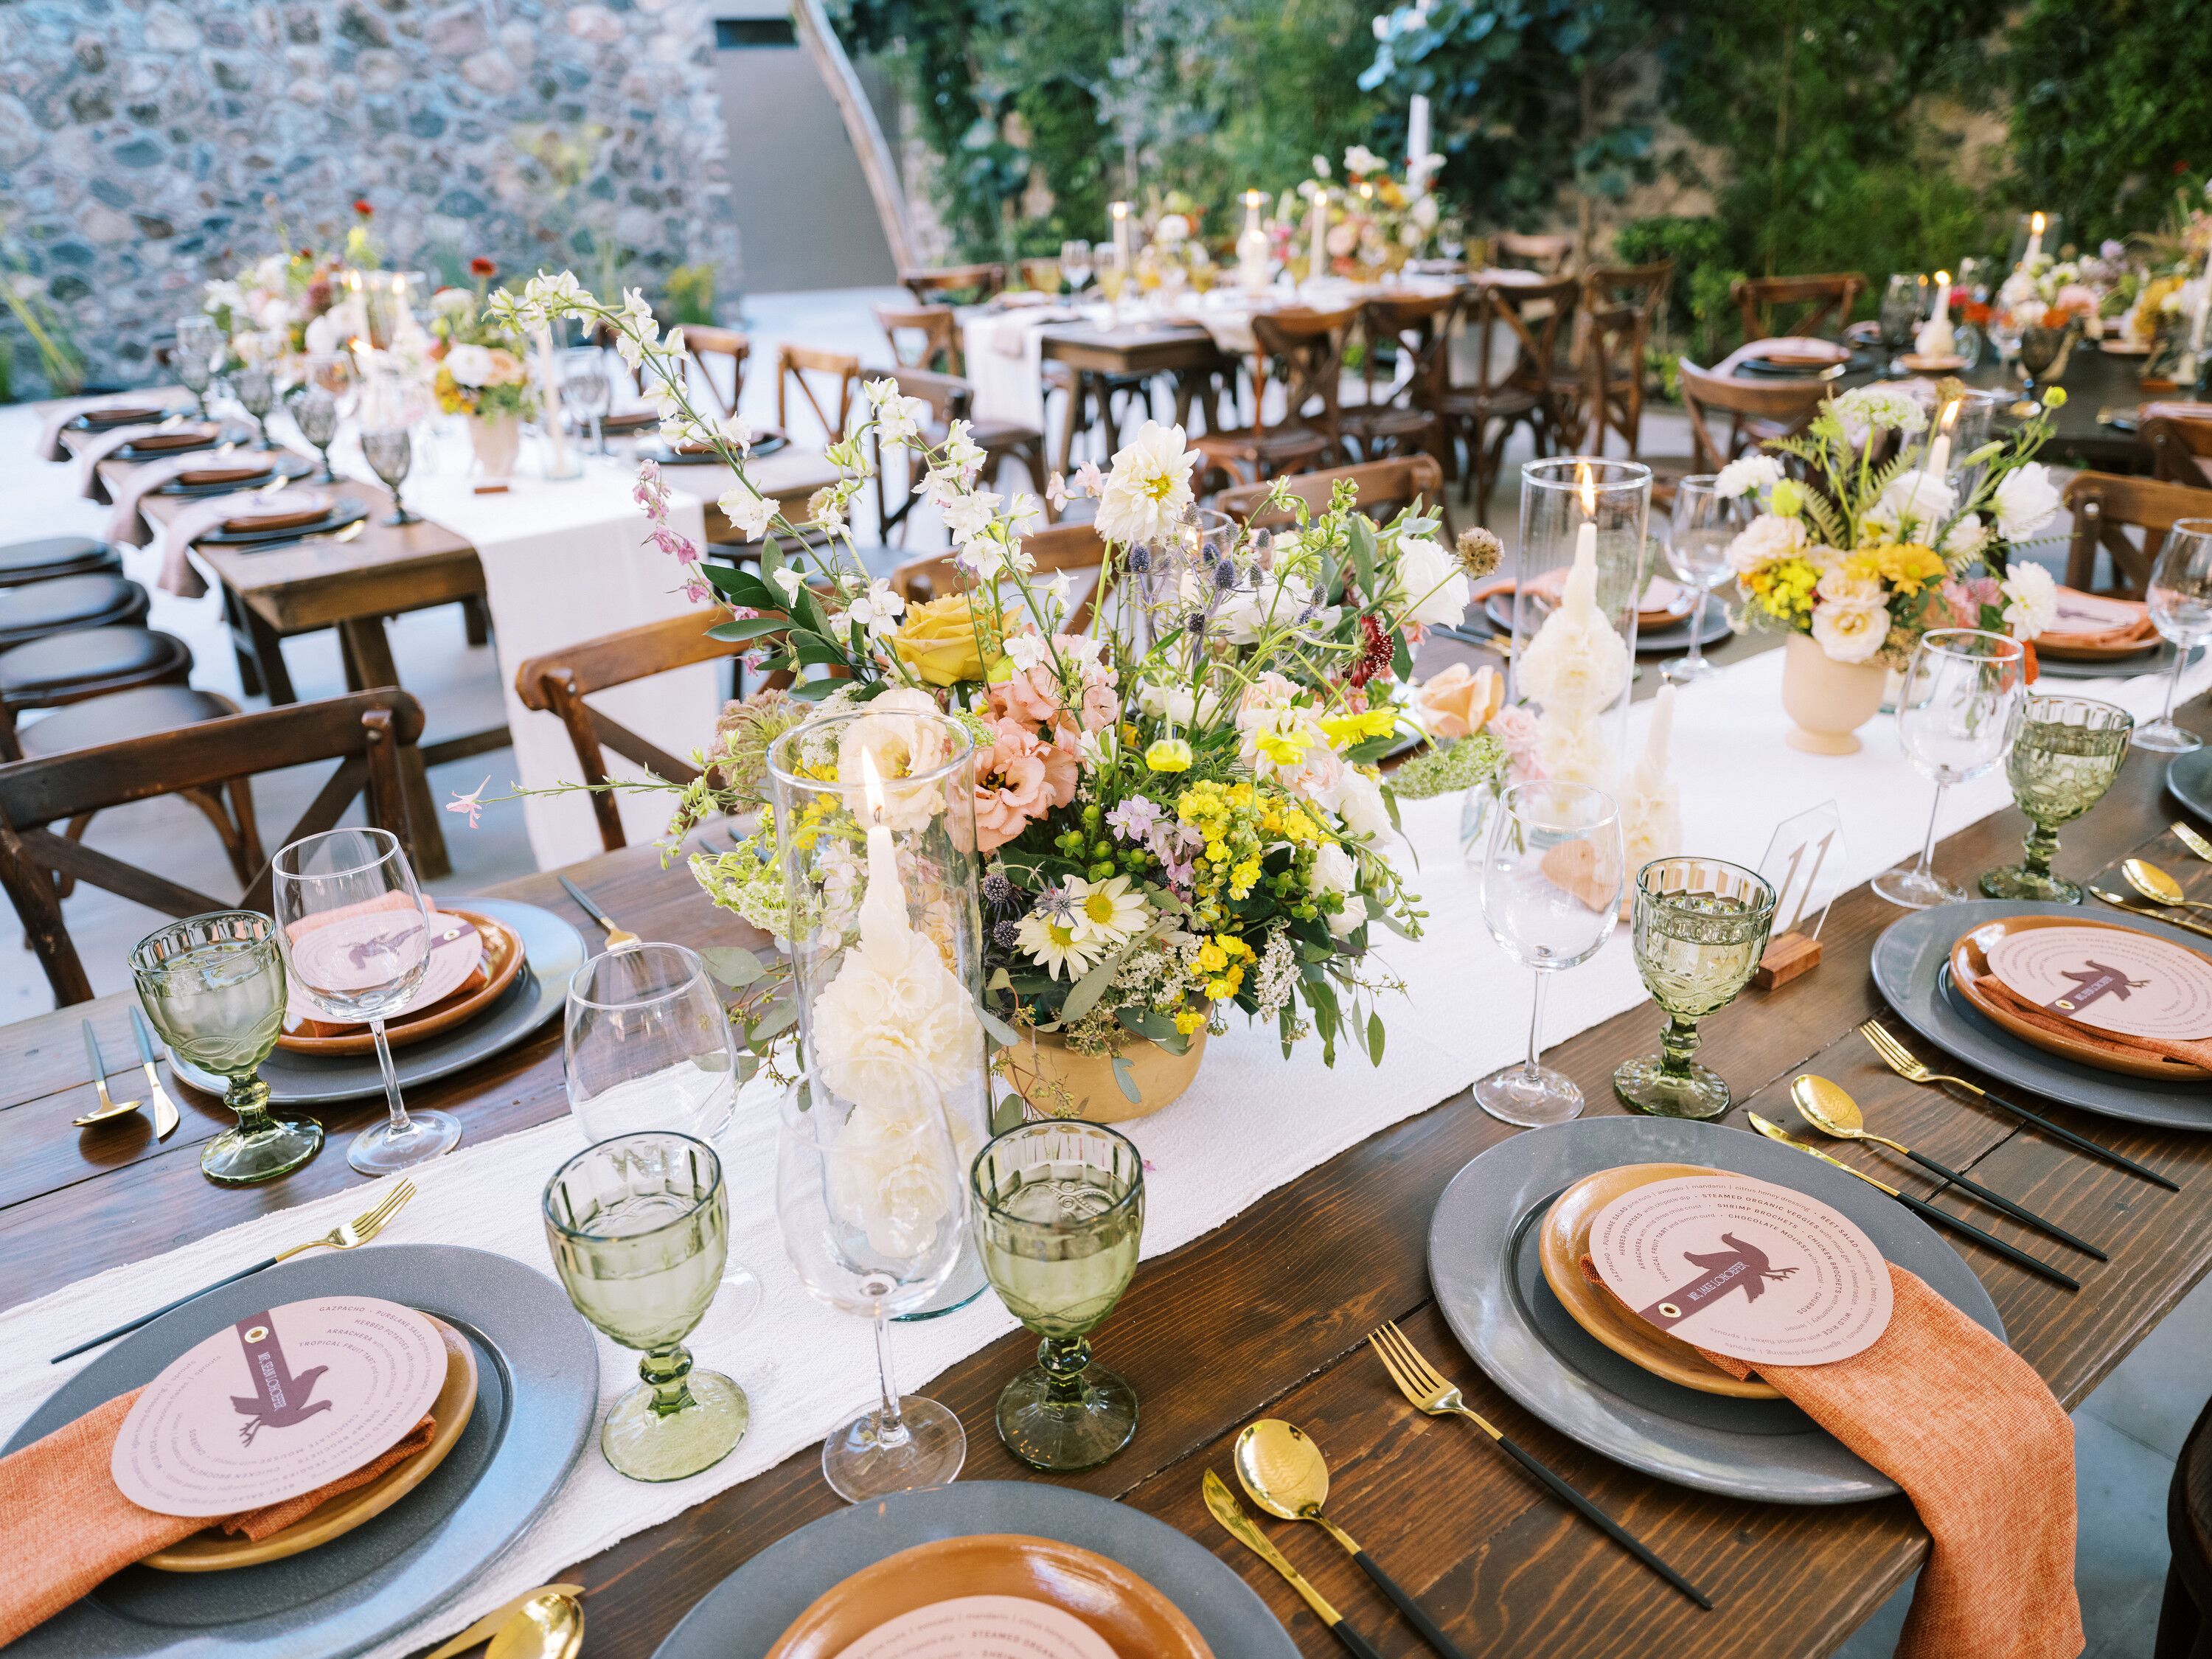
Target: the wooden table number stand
(1804, 864)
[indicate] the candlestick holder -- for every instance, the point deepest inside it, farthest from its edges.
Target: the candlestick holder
(875, 814)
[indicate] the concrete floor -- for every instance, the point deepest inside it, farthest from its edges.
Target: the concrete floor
(2127, 1434)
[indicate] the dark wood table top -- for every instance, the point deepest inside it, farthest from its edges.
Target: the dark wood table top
(1267, 1314)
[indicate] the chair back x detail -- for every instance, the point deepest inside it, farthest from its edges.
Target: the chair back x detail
(1823, 303)
(2106, 507)
(1385, 489)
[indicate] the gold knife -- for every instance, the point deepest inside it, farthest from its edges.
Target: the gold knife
(1240, 1526)
(2119, 903)
(487, 1626)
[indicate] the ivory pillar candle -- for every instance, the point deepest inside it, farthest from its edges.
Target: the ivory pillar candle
(1120, 212)
(2035, 223)
(1417, 144)
(1252, 246)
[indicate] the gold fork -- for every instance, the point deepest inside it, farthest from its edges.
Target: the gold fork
(1910, 1066)
(1427, 1389)
(346, 1236)
(2195, 842)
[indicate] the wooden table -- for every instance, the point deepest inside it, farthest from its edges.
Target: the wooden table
(1268, 1314)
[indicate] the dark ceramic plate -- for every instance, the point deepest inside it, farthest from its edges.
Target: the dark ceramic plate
(2189, 780)
(131, 452)
(537, 1398)
(347, 509)
(292, 466)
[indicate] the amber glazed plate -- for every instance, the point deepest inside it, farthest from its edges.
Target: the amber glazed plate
(2059, 651)
(1563, 1243)
(1970, 967)
(1135, 1619)
(215, 1551)
(502, 961)
(285, 511)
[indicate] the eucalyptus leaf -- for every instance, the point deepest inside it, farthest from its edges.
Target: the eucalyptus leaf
(732, 964)
(1127, 1080)
(750, 628)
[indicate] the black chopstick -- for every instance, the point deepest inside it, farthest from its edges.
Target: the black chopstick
(584, 900)
(1943, 1218)
(1604, 1523)
(2080, 1143)
(166, 1307)
(2018, 1211)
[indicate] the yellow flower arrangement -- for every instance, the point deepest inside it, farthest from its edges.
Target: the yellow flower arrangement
(1905, 566)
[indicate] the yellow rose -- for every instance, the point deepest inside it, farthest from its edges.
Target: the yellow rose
(938, 640)
(1169, 754)
(1458, 702)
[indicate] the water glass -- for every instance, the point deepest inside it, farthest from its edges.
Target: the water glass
(2067, 754)
(1700, 927)
(357, 937)
(390, 452)
(1903, 304)
(199, 343)
(639, 1227)
(1956, 715)
(1075, 263)
(1551, 893)
(214, 988)
(1060, 1215)
(1704, 523)
(873, 1203)
(255, 388)
(2180, 595)
(585, 388)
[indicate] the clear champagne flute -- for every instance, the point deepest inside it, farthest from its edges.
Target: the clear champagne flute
(1956, 716)
(315, 412)
(2180, 595)
(585, 388)
(873, 1203)
(357, 937)
(1704, 523)
(198, 343)
(1551, 885)
(1075, 263)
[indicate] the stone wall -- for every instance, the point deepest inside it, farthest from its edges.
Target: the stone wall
(145, 147)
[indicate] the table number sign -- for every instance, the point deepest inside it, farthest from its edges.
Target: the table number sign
(282, 1402)
(1755, 1271)
(1804, 864)
(983, 1628)
(2109, 978)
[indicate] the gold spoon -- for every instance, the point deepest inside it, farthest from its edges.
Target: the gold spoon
(549, 1625)
(1828, 1108)
(1285, 1474)
(2154, 884)
(109, 1107)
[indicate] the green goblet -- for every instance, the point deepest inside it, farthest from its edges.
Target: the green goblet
(214, 988)
(640, 1229)
(1059, 1213)
(2067, 754)
(1700, 927)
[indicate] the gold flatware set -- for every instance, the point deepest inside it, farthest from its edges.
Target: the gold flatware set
(546, 1622)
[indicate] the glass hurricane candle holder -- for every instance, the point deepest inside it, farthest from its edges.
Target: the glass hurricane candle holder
(1700, 927)
(875, 817)
(2067, 754)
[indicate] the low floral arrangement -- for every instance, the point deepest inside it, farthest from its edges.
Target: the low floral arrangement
(281, 306)
(1175, 256)
(478, 364)
(2048, 293)
(1865, 556)
(1376, 220)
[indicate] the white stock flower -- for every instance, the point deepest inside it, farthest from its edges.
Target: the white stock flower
(748, 511)
(789, 581)
(1966, 538)
(1878, 408)
(1360, 804)
(2025, 502)
(981, 558)
(2031, 599)
(1333, 871)
(470, 365)
(1912, 506)
(1148, 490)
(1025, 651)
(968, 515)
(1747, 475)
(1431, 583)
(962, 452)
(1276, 599)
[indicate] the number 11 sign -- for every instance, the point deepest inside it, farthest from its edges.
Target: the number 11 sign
(1804, 864)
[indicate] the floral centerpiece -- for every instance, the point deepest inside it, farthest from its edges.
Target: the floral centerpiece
(1376, 222)
(1176, 799)
(1174, 257)
(479, 368)
(282, 305)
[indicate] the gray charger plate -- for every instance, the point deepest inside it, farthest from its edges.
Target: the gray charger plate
(536, 1400)
(1489, 1281)
(1912, 969)
(742, 1617)
(347, 509)
(2189, 780)
(551, 952)
(2153, 660)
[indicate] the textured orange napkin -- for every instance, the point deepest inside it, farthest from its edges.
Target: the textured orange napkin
(65, 1524)
(2194, 1051)
(2069, 634)
(1970, 1431)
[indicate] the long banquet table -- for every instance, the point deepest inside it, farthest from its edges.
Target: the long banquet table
(1267, 1314)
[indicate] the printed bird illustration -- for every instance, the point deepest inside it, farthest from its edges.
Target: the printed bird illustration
(1750, 1256)
(284, 1399)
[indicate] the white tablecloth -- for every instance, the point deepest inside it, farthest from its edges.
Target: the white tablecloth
(1251, 1122)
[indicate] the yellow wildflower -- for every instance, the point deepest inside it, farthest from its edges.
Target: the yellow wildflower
(1345, 730)
(1189, 1021)
(1168, 754)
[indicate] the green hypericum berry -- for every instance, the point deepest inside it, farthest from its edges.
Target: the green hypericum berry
(1102, 870)
(1091, 817)
(1102, 849)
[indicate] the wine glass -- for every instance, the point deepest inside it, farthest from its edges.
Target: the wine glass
(1904, 302)
(1704, 523)
(315, 412)
(645, 1046)
(199, 342)
(357, 937)
(1060, 1214)
(214, 988)
(1551, 893)
(639, 1227)
(873, 1204)
(390, 452)
(585, 387)
(255, 388)
(2067, 754)
(1700, 927)
(1956, 716)
(2180, 595)
(1075, 263)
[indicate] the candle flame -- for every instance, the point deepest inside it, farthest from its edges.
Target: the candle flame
(1119, 210)
(871, 785)
(2035, 223)
(1586, 486)
(1944, 277)
(1951, 415)
(1252, 198)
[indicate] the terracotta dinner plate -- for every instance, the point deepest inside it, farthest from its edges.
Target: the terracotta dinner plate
(1797, 351)
(97, 420)
(215, 1551)
(1969, 966)
(183, 437)
(286, 510)
(247, 473)
(2059, 651)
(1937, 365)
(503, 960)
(1563, 1243)
(1135, 1619)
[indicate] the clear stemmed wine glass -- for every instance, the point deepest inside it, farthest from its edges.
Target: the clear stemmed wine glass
(357, 937)
(1704, 523)
(1957, 714)
(1551, 884)
(645, 1046)
(199, 342)
(585, 388)
(255, 388)
(1904, 302)
(315, 412)
(2180, 595)
(873, 1203)
(1075, 263)
(390, 452)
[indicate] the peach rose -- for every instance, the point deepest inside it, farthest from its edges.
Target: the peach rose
(1458, 702)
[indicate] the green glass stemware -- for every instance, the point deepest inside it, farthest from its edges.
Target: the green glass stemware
(1700, 927)
(214, 988)
(2067, 754)
(1059, 1215)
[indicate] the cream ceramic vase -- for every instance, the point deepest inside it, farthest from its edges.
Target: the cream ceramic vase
(497, 439)
(1062, 1082)
(1828, 701)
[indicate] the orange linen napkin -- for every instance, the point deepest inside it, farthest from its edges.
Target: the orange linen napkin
(65, 1526)
(1970, 1431)
(2080, 632)
(2196, 1051)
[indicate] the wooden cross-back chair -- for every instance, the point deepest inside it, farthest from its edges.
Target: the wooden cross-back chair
(2179, 436)
(1386, 489)
(954, 284)
(1823, 304)
(1304, 352)
(1401, 414)
(707, 347)
(1077, 549)
(927, 336)
(1547, 254)
(1603, 390)
(559, 681)
(950, 399)
(1756, 410)
(364, 733)
(2106, 507)
(1514, 330)
(804, 368)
